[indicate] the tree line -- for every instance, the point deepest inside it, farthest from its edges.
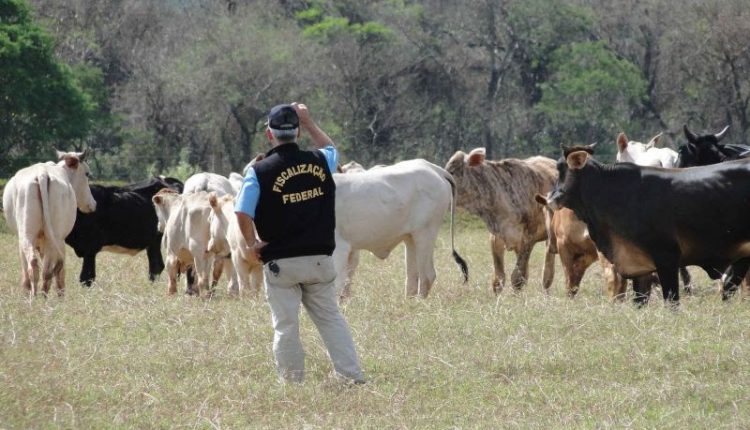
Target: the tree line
(177, 86)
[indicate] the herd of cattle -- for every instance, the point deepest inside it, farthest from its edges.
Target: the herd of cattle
(644, 218)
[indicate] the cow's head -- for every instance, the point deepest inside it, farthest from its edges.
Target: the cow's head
(466, 170)
(78, 173)
(702, 150)
(222, 208)
(566, 189)
(352, 167)
(629, 151)
(163, 202)
(461, 161)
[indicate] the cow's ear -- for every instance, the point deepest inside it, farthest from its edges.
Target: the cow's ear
(622, 142)
(476, 157)
(60, 154)
(541, 199)
(157, 199)
(339, 169)
(577, 159)
(654, 141)
(71, 161)
(259, 157)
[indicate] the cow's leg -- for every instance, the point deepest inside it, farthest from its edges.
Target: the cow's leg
(341, 259)
(88, 270)
(59, 271)
(520, 274)
(670, 283)
(155, 261)
(202, 268)
(241, 272)
(256, 279)
(616, 284)
(189, 280)
(49, 262)
(233, 284)
(642, 289)
(217, 269)
(424, 242)
(172, 270)
(567, 260)
(497, 245)
(548, 274)
(351, 266)
(686, 281)
(733, 277)
(29, 267)
(412, 269)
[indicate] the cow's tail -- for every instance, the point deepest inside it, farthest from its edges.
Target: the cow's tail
(460, 261)
(49, 232)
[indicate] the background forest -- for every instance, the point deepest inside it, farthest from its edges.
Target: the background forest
(173, 86)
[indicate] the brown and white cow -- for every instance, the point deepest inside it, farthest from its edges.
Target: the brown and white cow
(379, 208)
(183, 219)
(569, 237)
(502, 194)
(39, 203)
(226, 239)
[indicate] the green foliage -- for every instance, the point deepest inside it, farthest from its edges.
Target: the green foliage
(590, 95)
(41, 99)
(182, 170)
(321, 26)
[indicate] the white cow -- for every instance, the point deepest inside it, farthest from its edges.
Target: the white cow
(209, 182)
(184, 221)
(226, 239)
(379, 208)
(644, 155)
(39, 203)
(221, 186)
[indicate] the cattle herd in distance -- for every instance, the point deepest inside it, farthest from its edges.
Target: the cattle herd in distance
(644, 218)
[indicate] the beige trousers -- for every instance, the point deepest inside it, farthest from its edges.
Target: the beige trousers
(307, 280)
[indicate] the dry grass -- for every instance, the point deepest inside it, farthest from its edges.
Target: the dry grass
(122, 354)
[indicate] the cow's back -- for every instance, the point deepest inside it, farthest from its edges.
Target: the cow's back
(377, 208)
(502, 194)
(22, 202)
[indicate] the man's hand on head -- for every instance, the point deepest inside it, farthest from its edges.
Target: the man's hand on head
(303, 113)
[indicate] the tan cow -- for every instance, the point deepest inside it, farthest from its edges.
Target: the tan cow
(226, 239)
(184, 221)
(502, 194)
(39, 203)
(569, 237)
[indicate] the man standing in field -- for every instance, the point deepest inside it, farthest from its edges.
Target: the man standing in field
(290, 195)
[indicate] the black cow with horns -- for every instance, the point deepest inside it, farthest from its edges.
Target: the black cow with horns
(647, 219)
(124, 222)
(707, 149)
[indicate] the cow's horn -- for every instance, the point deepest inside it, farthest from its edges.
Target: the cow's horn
(720, 135)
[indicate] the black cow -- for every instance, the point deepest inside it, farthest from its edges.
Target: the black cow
(707, 149)
(124, 221)
(647, 219)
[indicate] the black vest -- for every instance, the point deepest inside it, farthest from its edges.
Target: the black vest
(296, 212)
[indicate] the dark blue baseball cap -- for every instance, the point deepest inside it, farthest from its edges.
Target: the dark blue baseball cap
(283, 117)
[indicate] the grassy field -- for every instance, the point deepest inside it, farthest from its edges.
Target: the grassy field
(124, 355)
